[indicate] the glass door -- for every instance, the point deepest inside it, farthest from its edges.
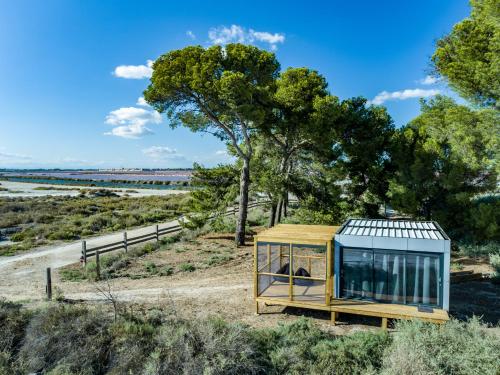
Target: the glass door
(357, 273)
(390, 276)
(423, 279)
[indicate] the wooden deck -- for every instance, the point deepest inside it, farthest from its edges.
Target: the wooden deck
(385, 311)
(275, 296)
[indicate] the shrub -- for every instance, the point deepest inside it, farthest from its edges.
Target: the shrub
(13, 322)
(150, 247)
(453, 348)
(479, 250)
(205, 347)
(166, 271)
(187, 267)
(495, 263)
(66, 337)
(218, 259)
(301, 348)
(151, 268)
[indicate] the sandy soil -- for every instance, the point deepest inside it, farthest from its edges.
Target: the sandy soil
(27, 189)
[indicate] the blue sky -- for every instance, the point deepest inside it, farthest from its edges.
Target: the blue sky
(68, 99)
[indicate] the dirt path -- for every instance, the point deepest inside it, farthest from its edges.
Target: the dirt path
(23, 276)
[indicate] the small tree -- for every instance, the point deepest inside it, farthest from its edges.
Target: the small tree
(215, 189)
(221, 90)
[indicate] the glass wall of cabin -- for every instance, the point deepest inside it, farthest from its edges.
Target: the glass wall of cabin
(413, 278)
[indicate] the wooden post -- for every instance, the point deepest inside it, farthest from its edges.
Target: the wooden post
(157, 234)
(309, 266)
(269, 258)
(125, 243)
(384, 323)
(328, 282)
(97, 265)
(290, 273)
(48, 287)
(281, 256)
(84, 252)
(255, 269)
(334, 317)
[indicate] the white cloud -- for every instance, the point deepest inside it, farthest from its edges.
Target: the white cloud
(221, 153)
(402, 95)
(429, 80)
(191, 35)
(7, 156)
(134, 71)
(238, 34)
(142, 102)
(162, 153)
(130, 122)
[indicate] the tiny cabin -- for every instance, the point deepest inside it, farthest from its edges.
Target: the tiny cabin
(385, 268)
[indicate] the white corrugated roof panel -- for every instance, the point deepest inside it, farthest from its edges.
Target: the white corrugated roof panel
(393, 228)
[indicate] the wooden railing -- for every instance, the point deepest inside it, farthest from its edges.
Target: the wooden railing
(155, 235)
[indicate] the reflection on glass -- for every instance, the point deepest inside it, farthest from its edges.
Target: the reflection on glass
(357, 267)
(411, 278)
(422, 279)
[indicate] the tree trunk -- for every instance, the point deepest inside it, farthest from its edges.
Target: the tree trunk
(280, 208)
(285, 204)
(272, 215)
(243, 204)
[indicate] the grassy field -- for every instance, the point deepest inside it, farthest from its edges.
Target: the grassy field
(44, 220)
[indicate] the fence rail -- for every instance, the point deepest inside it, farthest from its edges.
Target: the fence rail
(129, 241)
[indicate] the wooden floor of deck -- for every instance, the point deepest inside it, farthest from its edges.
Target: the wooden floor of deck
(313, 297)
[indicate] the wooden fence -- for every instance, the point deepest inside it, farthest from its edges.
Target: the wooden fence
(155, 235)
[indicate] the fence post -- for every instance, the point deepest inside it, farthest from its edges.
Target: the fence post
(97, 265)
(125, 245)
(48, 287)
(84, 252)
(157, 234)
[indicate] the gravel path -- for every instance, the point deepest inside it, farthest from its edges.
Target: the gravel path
(23, 276)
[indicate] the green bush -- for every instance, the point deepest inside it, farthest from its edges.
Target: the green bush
(218, 259)
(495, 263)
(166, 271)
(187, 267)
(13, 322)
(479, 250)
(151, 268)
(205, 347)
(453, 348)
(68, 337)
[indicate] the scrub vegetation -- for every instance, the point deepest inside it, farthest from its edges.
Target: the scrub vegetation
(44, 220)
(72, 339)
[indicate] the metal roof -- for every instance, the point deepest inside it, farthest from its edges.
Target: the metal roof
(429, 230)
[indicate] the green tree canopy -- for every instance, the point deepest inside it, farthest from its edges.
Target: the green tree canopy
(302, 111)
(469, 57)
(362, 139)
(446, 157)
(223, 91)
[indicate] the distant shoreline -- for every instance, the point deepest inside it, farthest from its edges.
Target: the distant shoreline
(114, 183)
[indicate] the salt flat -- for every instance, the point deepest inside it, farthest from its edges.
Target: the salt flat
(27, 189)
